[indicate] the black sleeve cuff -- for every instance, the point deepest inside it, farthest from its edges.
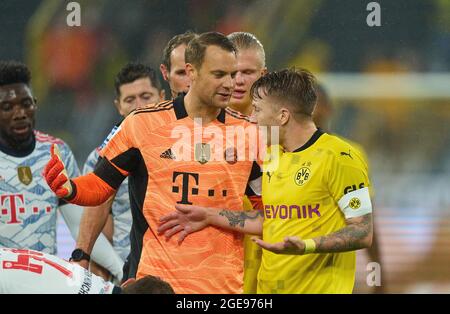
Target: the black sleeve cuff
(108, 173)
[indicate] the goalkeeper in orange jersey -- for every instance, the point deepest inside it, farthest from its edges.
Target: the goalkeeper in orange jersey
(143, 148)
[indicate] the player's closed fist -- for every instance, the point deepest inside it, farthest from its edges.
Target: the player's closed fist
(56, 175)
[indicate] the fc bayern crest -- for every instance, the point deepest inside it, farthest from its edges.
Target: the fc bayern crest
(25, 175)
(202, 153)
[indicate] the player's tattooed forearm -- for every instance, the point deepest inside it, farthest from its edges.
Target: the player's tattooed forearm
(349, 238)
(239, 218)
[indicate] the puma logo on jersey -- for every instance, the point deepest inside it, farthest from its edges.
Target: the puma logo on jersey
(347, 154)
(269, 174)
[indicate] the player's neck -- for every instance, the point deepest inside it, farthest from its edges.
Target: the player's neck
(195, 108)
(17, 149)
(297, 135)
(245, 109)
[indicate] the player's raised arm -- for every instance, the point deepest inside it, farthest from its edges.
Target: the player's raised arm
(188, 219)
(88, 190)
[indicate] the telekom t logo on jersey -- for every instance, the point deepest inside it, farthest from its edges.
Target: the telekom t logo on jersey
(14, 205)
(188, 189)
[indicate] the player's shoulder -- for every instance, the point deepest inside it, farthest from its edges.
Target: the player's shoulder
(341, 149)
(44, 141)
(235, 117)
(47, 139)
(335, 143)
(154, 115)
(154, 109)
(93, 155)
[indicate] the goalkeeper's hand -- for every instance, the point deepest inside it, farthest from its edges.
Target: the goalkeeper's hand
(56, 175)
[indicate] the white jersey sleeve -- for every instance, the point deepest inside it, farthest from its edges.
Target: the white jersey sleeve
(103, 252)
(33, 272)
(91, 161)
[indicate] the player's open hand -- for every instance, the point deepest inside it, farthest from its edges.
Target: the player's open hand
(290, 245)
(56, 175)
(185, 220)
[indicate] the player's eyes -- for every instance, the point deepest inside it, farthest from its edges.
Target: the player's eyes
(219, 74)
(147, 96)
(27, 103)
(6, 106)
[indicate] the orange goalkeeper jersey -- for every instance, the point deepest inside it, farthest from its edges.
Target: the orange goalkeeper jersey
(170, 159)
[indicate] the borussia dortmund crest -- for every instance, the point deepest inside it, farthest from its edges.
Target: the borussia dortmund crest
(25, 175)
(302, 176)
(202, 152)
(355, 203)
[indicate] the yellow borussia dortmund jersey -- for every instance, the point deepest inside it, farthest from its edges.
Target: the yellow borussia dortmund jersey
(362, 153)
(301, 191)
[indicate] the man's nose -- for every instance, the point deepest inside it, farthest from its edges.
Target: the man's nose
(229, 82)
(239, 79)
(19, 112)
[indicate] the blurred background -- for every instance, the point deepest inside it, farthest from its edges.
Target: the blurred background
(390, 87)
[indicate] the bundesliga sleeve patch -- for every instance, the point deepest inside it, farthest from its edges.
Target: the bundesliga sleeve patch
(356, 203)
(110, 136)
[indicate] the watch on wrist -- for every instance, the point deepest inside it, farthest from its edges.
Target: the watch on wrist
(79, 255)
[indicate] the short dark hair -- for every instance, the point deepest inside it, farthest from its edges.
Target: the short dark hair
(195, 51)
(296, 86)
(134, 71)
(148, 285)
(14, 72)
(176, 41)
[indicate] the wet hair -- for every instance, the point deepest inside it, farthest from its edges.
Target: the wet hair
(176, 41)
(244, 40)
(148, 285)
(196, 49)
(295, 87)
(14, 72)
(134, 71)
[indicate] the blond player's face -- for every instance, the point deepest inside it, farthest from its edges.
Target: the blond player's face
(267, 115)
(215, 79)
(137, 94)
(264, 111)
(250, 67)
(177, 78)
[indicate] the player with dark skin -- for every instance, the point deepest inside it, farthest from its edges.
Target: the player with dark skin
(17, 116)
